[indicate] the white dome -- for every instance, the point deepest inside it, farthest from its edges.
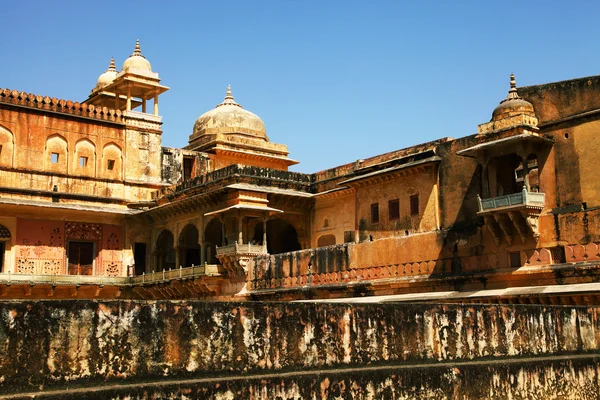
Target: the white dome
(137, 60)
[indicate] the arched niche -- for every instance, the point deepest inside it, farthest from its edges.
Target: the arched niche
(56, 154)
(84, 159)
(326, 240)
(112, 162)
(7, 147)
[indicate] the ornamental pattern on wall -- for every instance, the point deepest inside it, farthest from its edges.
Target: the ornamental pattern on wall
(76, 230)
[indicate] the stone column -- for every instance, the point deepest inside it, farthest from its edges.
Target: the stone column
(222, 230)
(155, 103)
(240, 227)
(143, 105)
(526, 173)
(265, 231)
(128, 98)
(116, 100)
(177, 258)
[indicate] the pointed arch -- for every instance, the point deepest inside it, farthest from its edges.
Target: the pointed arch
(164, 251)
(56, 154)
(112, 161)
(7, 147)
(189, 249)
(84, 158)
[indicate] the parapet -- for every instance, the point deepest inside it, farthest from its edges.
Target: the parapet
(69, 107)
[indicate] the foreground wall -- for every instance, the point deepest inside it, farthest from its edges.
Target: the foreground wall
(86, 349)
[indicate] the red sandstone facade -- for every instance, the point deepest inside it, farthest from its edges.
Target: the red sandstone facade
(92, 206)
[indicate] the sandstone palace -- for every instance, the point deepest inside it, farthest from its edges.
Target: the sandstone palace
(93, 206)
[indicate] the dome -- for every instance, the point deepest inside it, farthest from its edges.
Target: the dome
(137, 60)
(109, 76)
(230, 118)
(513, 104)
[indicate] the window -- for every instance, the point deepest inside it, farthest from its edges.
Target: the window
(326, 223)
(414, 204)
(374, 213)
(394, 209)
(110, 165)
(348, 236)
(188, 167)
(81, 258)
(54, 158)
(83, 161)
(0, 149)
(515, 259)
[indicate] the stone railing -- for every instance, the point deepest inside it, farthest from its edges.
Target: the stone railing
(241, 248)
(523, 198)
(59, 105)
(34, 278)
(169, 275)
(58, 279)
(296, 180)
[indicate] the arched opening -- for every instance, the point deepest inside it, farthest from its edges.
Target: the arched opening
(189, 249)
(165, 254)
(6, 147)
(326, 240)
(84, 159)
(213, 236)
(281, 236)
(55, 154)
(4, 238)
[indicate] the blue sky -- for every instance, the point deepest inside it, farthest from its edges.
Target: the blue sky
(334, 80)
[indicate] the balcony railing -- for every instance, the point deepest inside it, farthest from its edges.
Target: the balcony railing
(77, 280)
(246, 248)
(524, 198)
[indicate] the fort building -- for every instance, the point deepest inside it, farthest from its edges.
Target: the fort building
(93, 206)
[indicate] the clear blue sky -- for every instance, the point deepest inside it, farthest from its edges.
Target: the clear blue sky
(334, 80)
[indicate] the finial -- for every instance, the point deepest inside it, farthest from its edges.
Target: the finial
(112, 66)
(229, 99)
(138, 50)
(512, 92)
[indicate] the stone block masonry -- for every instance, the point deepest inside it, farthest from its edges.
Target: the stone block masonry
(171, 349)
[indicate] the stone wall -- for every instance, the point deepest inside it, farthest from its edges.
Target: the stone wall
(254, 349)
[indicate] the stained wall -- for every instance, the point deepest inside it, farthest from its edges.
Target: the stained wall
(60, 344)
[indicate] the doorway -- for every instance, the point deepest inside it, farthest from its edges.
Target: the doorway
(81, 258)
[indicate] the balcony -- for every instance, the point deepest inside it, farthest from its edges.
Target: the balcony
(515, 200)
(513, 213)
(234, 258)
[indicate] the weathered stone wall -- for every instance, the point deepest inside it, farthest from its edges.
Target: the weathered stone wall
(54, 345)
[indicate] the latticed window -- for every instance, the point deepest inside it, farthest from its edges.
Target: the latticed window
(558, 255)
(4, 232)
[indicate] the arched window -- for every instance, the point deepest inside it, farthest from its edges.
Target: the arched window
(6, 147)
